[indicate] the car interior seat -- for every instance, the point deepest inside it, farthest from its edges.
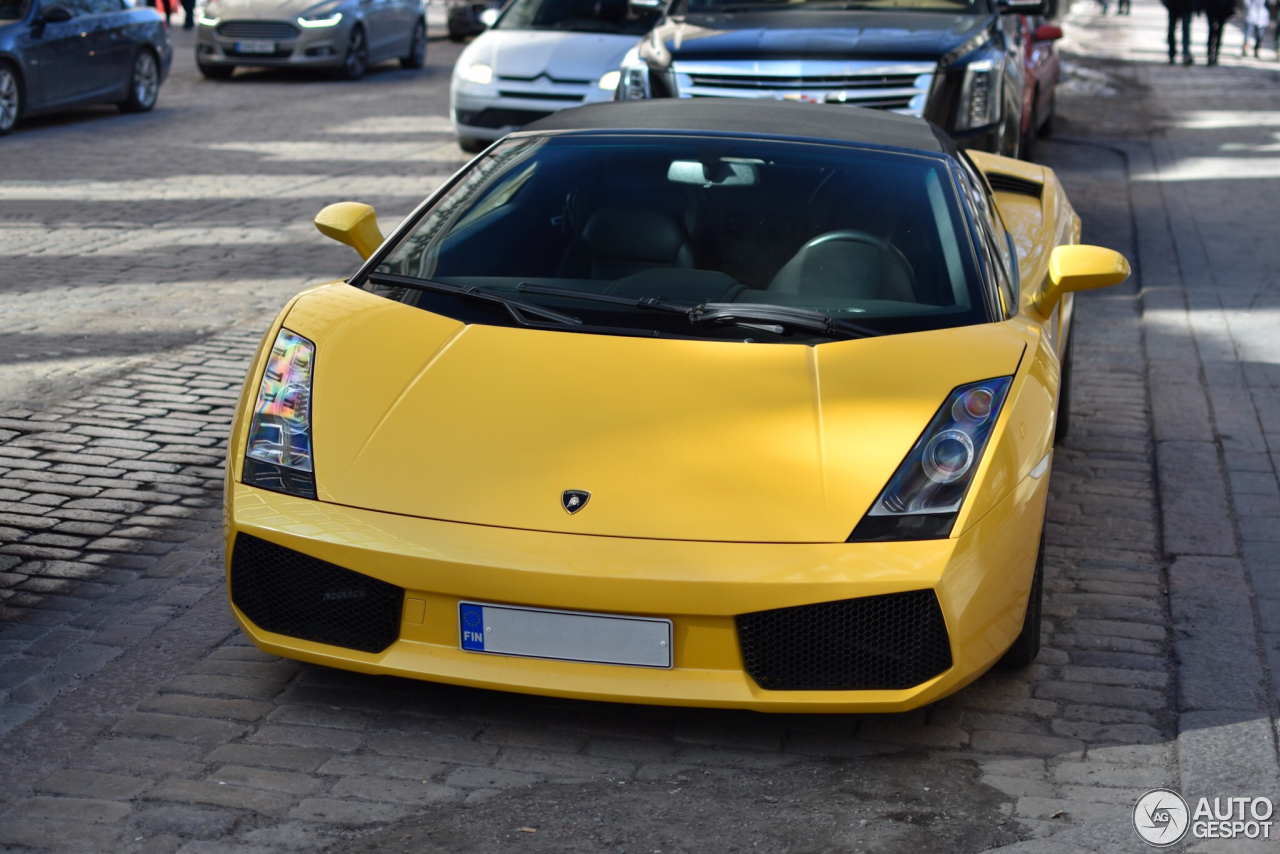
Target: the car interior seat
(617, 242)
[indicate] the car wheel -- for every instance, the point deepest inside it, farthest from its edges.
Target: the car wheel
(1027, 145)
(471, 145)
(144, 84)
(1062, 424)
(356, 60)
(1027, 645)
(417, 56)
(457, 38)
(1046, 129)
(10, 98)
(216, 72)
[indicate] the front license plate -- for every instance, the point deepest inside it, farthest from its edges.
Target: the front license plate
(255, 47)
(564, 635)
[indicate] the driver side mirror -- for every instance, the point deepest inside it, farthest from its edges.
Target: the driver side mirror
(1048, 33)
(352, 223)
(1080, 268)
(488, 17)
(55, 15)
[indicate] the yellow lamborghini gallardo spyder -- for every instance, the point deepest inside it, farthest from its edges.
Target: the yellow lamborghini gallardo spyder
(703, 403)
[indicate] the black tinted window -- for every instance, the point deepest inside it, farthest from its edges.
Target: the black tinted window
(597, 16)
(12, 10)
(862, 235)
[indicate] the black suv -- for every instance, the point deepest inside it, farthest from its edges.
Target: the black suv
(958, 63)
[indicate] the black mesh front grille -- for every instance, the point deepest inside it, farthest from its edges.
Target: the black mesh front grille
(495, 117)
(876, 642)
(289, 593)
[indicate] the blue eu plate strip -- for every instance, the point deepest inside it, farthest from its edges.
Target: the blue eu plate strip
(471, 621)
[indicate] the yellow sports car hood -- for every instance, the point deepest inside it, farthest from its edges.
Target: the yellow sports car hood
(417, 414)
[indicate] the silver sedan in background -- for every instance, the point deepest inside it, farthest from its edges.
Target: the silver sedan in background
(343, 36)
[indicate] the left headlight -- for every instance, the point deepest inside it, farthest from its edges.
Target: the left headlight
(979, 95)
(633, 78)
(205, 18)
(324, 21)
(279, 455)
(478, 72)
(924, 495)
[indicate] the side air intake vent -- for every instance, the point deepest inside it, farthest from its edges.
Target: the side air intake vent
(290, 593)
(1002, 183)
(875, 642)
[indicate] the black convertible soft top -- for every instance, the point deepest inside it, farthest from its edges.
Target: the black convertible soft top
(743, 116)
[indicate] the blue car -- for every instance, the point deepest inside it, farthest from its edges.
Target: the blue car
(56, 54)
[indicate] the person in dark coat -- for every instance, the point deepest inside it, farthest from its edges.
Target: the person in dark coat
(1217, 11)
(1180, 11)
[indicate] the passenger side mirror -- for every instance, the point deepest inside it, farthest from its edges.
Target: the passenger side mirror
(1048, 33)
(1080, 268)
(488, 17)
(55, 15)
(352, 223)
(1022, 7)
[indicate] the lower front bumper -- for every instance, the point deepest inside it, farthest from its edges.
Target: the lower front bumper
(317, 48)
(981, 580)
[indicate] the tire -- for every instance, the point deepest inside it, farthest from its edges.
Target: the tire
(216, 72)
(1028, 145)
(1046, 129)
(417, 56)
(355, 62)
(144, 83)
(472, 145)
(457, 38)
(1062, 424)
(1027, 645)
(10, 98)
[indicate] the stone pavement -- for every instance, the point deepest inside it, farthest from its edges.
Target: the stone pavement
(133, 716)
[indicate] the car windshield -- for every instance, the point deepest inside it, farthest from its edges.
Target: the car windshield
(12, 10)
(591, 16)
(744, 226)
(962, 6)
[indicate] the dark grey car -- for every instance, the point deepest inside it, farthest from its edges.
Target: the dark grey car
(56, 54)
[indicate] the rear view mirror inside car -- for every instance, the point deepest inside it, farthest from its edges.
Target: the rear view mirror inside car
(722, 173)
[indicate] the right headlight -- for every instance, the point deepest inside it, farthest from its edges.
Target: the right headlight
(634, 85)
(979, 95)
(924, 495)
(279, 453)
(478, 72)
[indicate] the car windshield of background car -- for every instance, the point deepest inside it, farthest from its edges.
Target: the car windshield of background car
(860, 235)
(12, 10)
(972, 6)
(592, 16)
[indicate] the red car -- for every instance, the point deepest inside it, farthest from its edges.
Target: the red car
(1041, 80)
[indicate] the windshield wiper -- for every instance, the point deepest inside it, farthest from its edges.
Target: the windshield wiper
(768, 318)
(653, 303)
(518, 309)
(747, 314)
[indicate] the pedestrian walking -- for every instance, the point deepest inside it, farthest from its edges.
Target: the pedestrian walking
(1180, 12)
(1122, 7)
(1217, 11)
(189, 14)
(1256, 19)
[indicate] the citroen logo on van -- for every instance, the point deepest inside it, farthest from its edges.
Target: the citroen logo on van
(574, 500)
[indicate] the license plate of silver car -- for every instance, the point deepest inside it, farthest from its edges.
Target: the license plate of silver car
(255, 47)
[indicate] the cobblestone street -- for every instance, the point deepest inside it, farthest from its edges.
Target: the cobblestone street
(142, 258)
